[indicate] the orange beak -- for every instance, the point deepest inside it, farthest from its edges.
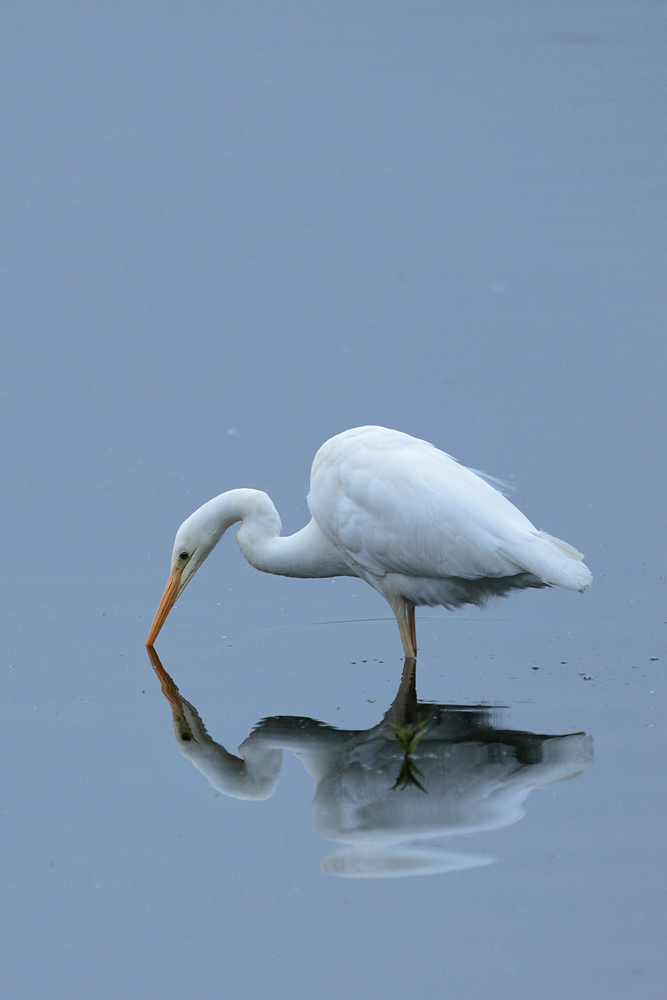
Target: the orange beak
(165, 605)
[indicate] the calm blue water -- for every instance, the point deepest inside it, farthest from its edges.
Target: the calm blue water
(227, 234)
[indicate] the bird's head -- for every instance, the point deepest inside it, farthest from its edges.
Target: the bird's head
(195, 539)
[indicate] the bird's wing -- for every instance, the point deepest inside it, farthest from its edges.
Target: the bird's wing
(395, 504)
(391, 503)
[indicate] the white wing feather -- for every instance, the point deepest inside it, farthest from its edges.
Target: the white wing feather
(395, 504)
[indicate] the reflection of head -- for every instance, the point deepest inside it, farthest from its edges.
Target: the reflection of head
(473, 776)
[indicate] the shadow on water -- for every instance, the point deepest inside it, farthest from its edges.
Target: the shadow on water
(394, 793)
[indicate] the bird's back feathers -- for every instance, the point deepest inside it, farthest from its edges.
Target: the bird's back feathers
(393, 504)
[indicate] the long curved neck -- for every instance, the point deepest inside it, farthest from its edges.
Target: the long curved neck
(305, 554)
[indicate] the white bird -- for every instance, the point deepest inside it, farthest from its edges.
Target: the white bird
(396, 512)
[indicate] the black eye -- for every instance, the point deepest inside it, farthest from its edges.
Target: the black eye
(183, 555)
(186, 736)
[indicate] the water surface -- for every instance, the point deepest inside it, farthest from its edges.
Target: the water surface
(228, 234)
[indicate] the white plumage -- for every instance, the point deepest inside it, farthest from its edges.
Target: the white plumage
(397, 512)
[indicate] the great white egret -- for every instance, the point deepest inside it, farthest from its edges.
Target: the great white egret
(396, 512)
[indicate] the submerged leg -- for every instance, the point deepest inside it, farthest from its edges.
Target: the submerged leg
(407, 692)
(402, 711)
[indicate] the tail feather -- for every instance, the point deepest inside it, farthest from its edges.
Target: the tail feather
(555, 562)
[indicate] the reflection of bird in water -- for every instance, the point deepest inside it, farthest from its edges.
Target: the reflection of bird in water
(393, 793)
(396, 512)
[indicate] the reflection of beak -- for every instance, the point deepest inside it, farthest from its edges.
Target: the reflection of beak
(169, 689)
(166, 604)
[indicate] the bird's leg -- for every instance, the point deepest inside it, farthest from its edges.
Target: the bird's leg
(406, 638)
(405, 616)
(412, 626)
